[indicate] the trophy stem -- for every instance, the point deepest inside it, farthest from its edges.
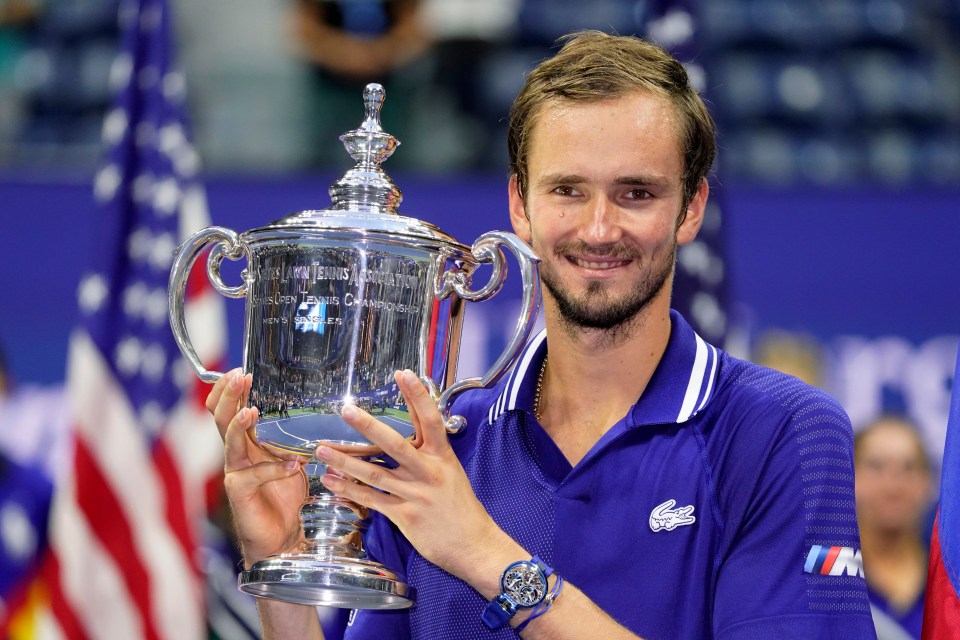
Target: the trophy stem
(331, 524)
(330, 567)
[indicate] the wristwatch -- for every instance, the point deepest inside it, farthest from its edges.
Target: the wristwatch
(523, 585)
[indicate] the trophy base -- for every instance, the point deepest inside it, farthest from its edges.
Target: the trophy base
(348, 583)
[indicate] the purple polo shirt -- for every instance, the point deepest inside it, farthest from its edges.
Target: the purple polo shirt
(721, 506)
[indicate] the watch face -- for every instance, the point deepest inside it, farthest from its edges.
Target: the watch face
(525, 583)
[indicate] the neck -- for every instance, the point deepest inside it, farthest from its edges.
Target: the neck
(892, 544)
(590, 381)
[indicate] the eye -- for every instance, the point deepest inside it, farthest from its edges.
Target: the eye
(638, 194)
(566, 191)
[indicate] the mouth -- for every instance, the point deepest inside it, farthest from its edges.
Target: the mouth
(598, 263)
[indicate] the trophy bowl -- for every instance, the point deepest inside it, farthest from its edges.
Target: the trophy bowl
(337, 301)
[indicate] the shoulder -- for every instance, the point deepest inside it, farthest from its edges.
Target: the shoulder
(753, 397)
(773, 439)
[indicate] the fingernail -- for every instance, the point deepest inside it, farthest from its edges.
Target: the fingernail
(324, 452)
(235, 378)
(291, 465)
(350, 412)
(410, 377)
(331, 482)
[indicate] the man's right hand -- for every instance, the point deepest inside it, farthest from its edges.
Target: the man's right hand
(265, 491)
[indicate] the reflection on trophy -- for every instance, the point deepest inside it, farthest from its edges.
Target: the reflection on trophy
(337, 301)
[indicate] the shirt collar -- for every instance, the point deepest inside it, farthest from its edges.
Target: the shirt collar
(682, 385)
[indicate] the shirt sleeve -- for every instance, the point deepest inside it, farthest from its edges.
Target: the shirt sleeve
(383, 543)
(789, 565)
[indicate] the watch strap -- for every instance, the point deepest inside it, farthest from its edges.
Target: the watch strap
(498, 612)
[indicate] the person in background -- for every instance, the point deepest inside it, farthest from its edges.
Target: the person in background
(346, 44)
(893, 496)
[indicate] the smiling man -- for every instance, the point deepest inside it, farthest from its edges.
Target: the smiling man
(627, 479)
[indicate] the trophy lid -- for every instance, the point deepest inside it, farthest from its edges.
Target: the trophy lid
(365, 199)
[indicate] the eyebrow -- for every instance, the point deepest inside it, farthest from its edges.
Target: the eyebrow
(644, 181)
(633, 181)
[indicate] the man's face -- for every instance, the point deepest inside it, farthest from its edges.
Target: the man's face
(603, 204)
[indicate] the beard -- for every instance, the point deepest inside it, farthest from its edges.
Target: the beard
(596, 308)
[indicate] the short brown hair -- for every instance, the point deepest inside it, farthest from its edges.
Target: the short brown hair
(594, 66)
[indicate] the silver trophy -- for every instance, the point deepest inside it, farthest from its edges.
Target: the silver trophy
(337, 301)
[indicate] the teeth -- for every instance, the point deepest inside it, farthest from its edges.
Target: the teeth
(597, 265)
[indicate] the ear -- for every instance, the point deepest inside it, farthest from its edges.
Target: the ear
(518, 212)
(691, 223)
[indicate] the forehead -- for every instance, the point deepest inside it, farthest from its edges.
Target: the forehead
(638, 130)
(892, 440)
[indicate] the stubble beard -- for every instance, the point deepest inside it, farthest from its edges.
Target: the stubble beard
(596, 310)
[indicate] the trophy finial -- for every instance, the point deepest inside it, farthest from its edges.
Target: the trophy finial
(373, 95)
(366, 187)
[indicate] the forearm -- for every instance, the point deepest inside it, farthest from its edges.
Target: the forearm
(282, 620)
(571, 616)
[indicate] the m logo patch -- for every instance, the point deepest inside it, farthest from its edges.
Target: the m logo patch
(834, 561)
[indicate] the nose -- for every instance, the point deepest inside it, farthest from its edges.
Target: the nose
(602, 224)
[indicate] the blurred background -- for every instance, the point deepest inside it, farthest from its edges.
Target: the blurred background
(836, 184)
(829, 247)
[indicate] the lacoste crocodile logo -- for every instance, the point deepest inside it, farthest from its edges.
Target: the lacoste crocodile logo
(665, 517)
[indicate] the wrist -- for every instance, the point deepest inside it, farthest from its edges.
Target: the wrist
(481, 563)
(524, 585)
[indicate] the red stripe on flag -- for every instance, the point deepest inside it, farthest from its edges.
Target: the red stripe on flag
(200, 390)
(59, 604)
(197, 281)
(830, 559)
(213, 490)
(941, 609)
(176, 511)
(103, 513)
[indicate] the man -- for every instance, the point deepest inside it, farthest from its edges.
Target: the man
(675, 491)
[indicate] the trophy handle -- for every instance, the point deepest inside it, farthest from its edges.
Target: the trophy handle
(488, 248)
(229, 246)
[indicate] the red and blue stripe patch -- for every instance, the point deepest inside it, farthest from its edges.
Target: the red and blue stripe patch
(834, 561)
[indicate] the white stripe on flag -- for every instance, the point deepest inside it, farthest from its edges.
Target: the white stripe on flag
(88, 574)
(106, 422)
(206, 318)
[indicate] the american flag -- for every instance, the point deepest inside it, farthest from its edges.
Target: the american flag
(126, 519)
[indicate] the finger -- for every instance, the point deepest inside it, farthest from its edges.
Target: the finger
(423, 407)
(231, 400)
(342, 465)
(242, 483)
(235, 452)
(390, 442)
(363, 495)
(411, 409)
(214, 396)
